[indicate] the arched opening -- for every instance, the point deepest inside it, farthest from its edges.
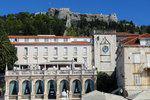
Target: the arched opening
(39, 87)
(26, 87)
(64, 86)
(89, 86)
(13, 88)
(52, 88)
(76, 86)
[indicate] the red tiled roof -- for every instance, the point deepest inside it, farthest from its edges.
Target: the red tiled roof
(124, 33)
(134, 40)
(19, 36)
(74, 42)
(146, 35)
(127, 39)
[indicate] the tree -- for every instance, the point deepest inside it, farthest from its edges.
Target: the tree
(7, 53)
(105, 82)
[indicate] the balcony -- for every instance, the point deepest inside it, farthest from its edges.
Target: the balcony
(49, 72)
(146, 66)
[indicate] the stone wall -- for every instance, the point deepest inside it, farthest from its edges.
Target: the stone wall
(65, 13)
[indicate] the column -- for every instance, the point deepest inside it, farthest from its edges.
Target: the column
(20, 89)
(7, 89)
(83, 83)
(45, 90)
(58, 89)
(70, 91)
(95, 83)
(32, 89)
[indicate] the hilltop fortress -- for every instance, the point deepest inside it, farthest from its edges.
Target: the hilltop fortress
(65, 13)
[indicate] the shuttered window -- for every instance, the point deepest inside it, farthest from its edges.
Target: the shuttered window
(148, 60)
(136, 58)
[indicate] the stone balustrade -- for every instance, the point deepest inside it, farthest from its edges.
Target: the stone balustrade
(49, 72)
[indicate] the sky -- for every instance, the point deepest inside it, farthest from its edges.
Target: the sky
(136, 10)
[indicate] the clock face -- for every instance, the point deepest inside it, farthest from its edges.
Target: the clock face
(105, 49)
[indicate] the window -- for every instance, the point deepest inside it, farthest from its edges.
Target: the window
(45, 51)
(137, 79)
(25, 61)
(136, 58)
(84, 51)
(36, 40)
(85, 60)
(75, 39)
(35, 51)
(25, 51)
(148, 60)
(65, 51)
(55, 40)
(16, 40)
(36, 61)
(148, 42)
(75, 51)
(65, 39)
(55, 51)
(45, 60)
(46, 40)
(26, 40)
(85, 40)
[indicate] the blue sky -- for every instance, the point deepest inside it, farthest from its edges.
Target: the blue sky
(136, 10)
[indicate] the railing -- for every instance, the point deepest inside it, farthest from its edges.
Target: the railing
(50, 72)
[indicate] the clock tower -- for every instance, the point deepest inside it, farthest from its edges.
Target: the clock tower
(104, 52)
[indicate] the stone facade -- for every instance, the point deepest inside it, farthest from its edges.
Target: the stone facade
(133, 63)
(45, 76)
(104, 52)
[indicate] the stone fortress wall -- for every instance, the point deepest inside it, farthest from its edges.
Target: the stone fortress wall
(65, 13)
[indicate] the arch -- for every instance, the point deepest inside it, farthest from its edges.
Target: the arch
(76, 86)
(52, 88)
(39, 87)
(13, 88)
(89, 86)
(64, 85)
(26, 87)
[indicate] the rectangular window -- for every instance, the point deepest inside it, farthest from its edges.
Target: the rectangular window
(46, 40)
(35, 51)
(16, 40)
(26, 40)
(55, 51)
(75, 39)
(75, 51)
(85, 51)
(148, 42)
(45, 51)
(36, 40)
(85, 59)
(136, 58)
(148, 60)
(65, 39)
(65, 51)
(25, 51)
(137, 79)
(25, 61)
(55, 40)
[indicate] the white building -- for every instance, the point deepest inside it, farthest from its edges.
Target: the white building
(47, 65)
(98, 51)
